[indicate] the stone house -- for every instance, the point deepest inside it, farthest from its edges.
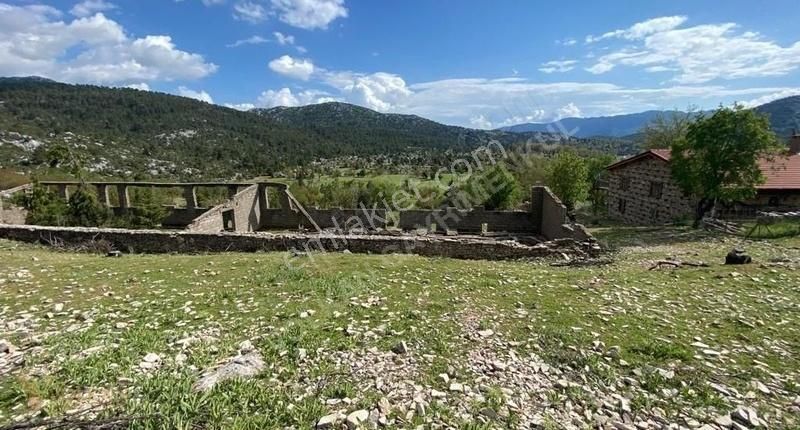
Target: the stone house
(640, 189)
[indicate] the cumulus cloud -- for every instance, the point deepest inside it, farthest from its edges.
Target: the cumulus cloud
(557, 66)
(213, 2)
(699, 54)
(197, 95)
(250, 12)
(252, 40)
(292, 67)
(285, 97)
(89, 7)
(33, 41)
(309, 14)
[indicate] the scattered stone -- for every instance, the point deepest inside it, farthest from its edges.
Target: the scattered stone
(5, 347)
(328, 421)
(246, 346)
(355, 418)
(455, 386)
(400, 348)
(58, 307)
(241, 366)
(485, 333)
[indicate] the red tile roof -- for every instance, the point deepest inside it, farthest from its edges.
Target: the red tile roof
(782, 173)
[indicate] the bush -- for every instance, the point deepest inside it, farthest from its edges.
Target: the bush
(85, 210)
(43, 206)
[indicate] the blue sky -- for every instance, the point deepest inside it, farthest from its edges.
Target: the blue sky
(472, 63)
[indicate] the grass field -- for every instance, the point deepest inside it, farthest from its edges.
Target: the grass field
(403, 341)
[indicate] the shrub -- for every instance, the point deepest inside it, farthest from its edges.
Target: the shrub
(85, 210)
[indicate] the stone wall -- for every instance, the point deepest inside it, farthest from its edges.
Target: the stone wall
(341, 219)
(241, 213)
(554, 223)
(630, 198)
(159, 241)
(468, 221)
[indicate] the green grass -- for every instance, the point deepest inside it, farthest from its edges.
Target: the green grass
(652, 316)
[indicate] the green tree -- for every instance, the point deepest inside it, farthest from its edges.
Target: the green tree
(83, 209)
(494, 188)
(666, 128)
(718, 158)
(595, 171)
(42, 205)
(567, 176)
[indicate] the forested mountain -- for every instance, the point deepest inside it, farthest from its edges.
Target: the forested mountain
(784, 116)
(129, 132)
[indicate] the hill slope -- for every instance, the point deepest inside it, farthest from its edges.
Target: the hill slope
(784, 114)
(130, 132)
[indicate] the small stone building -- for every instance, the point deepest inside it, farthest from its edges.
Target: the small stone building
(641, 189)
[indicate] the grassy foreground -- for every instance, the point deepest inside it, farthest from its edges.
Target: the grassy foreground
(405, 341)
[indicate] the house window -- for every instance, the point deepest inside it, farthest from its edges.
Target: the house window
(624, 183)
(774, 201)
(656, 189)
(621, 203)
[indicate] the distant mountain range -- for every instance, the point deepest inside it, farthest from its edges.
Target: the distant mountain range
(784, 116)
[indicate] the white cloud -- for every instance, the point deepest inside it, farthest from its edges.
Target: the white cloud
(283, 39)
(141, 86)
(213, 2)
(557, 66)
(250, 11)
(788, 92)
(90, 49)
(309, 14)
(285, 97)
(197, 95)
(380, 91)
(567, 42)
(240, 106)
(642, 29)
(89, 7)
(252, 40)
(292, 67)
(569, 111)
(701, 53)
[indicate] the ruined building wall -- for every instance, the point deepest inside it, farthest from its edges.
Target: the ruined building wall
(633, 196)
(551, 214)
(468, 220)
(242, 210)
(345, 219)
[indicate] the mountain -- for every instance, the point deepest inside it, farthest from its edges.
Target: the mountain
(345, 123)
(613, 126)
(127, 132)
(784, 117)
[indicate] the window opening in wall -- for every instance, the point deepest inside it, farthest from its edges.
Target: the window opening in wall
(228, 220)
(656, 189)
(625, 183)
(621, 205)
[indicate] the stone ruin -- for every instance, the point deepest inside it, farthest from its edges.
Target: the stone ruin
(267, 212)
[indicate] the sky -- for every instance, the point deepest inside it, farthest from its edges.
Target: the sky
(480, 64)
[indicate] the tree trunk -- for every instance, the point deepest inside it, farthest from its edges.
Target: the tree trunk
(703, 206)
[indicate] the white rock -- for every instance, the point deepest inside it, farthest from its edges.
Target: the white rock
(355, 418)
(455, 386)
(485, 333)
(328, 421)
(58, 307)
(246, 346)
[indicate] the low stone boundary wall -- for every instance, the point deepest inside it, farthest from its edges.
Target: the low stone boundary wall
(156, 241)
